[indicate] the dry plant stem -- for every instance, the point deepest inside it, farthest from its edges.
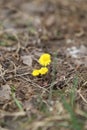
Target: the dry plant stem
(6, 31)
(15, 68)
(80, 112)
(14, 114)
(79, 92)
(15, 35)
(18, 69)
(2, 73)
(19, 45)
(84, 84)
(34, 84)
(46, 121)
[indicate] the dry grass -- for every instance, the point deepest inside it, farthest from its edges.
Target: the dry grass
(58, 100)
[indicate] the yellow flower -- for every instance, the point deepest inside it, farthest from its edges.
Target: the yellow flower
(43, 70)
(35, 72)
(45, 59)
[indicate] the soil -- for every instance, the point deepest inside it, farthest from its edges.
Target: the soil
(28, 29)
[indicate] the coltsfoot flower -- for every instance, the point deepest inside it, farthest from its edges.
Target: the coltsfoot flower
(43, 70)
(35, 72)
(45, 59)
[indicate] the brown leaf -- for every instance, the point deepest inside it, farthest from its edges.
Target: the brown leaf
(5, 92)
(27, 60)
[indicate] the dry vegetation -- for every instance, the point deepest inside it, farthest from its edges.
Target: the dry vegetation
(57, 100)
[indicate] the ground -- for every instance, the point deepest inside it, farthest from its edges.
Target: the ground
(57, 100)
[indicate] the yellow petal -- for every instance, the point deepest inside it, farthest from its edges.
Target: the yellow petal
(43, 70)
(45, 59)
(35, 72)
